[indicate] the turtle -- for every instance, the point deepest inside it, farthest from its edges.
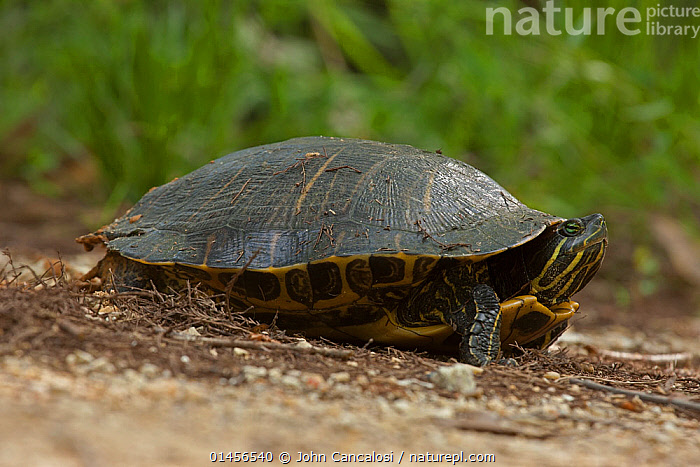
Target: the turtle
(356, 240)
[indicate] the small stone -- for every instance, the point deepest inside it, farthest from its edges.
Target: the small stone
(252, 373)
(239, 352)
(133, 380)
(391, 379)
(550, 410)
(185, 359)
(669, 426)
(290, 381)
(191, 331)
(414, 381)
(402, 406)
(351, 363)
(564, 409)
(149, 370)
(552, 375)
(458, 378)
(274, 375)
(314, 381)
(101, 365)
(82, 356)
(496, 405)
(567, 397)
(340, 377)
(303, 344)
(446, 413)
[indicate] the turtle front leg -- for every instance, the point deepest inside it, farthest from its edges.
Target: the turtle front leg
(481, 338)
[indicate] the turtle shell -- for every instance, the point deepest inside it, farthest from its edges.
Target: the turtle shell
(310, 199)
(351, 240)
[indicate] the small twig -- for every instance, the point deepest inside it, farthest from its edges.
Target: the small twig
(131, 293)
(444, 246)
(639, 357)
(608, 380)
(301, 162)
(642, 395)
(328, 232)
(240, 191)
(247, 344)
(485, 423)
(343, 167)
(303, 177)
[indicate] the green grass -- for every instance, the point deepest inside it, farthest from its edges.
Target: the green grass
(152, 90)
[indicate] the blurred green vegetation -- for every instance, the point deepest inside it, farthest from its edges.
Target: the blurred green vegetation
(149, 90)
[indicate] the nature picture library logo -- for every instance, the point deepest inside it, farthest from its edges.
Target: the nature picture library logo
(661, 19)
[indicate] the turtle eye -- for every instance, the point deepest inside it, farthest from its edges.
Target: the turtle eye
(571, 227)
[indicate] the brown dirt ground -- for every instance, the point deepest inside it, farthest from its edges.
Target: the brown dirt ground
(146, 378)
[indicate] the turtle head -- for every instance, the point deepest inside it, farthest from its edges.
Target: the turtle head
(565, 257)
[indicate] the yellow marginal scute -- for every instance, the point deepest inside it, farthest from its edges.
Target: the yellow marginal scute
(285, 302)
(387, 329)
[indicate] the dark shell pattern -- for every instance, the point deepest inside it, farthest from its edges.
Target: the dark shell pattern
(309, 199)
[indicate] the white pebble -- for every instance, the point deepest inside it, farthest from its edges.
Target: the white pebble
(458, 377)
